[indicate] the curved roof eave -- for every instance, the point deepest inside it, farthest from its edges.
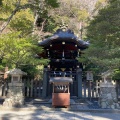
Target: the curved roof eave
(64, 36)
(83, 43)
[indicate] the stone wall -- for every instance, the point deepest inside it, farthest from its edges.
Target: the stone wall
(108, 96)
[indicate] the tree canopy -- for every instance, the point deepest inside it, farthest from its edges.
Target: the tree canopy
(104, 35)
(22, 20)
(18, 44)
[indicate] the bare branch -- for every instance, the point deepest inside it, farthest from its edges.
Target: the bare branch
(8, 21)
(18, 7)
(43, 23)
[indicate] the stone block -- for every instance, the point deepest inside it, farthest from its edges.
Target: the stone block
(108, 97)
(103, 105)
(115, 100)
(117, 105)
(109, 101)
(113, 106)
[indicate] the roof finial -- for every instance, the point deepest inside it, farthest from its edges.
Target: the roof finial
(64, 26)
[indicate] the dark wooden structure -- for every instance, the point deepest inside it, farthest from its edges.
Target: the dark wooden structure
(63, 48)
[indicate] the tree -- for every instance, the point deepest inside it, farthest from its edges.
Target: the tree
(116, 74)
(104, 35)
(18, 45)
(76, 13)
(39, 8)
(16, 51)
(72, 13)
(99, 5)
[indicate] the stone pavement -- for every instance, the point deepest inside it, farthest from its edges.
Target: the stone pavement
(81, 105)
(56, 115)
(39, 109)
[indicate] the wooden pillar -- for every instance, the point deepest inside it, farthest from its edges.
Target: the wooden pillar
(89, 89)
(31, 93)
(45, 77)
(79, 80)
(84, 88)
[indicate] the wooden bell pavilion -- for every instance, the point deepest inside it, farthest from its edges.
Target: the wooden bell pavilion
(62, 49)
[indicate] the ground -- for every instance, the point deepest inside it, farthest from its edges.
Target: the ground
(57, 115)
(41, 109)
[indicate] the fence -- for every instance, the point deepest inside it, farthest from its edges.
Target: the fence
(3, 89)
(90, 89)
(33, 88)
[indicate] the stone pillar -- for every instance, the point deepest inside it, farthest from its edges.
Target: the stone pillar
(45, 77)
(15, 96)
(79, 80)
(108, 96)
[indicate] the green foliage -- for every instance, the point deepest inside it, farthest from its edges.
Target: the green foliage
(100, 4)
(23, 13)
(18, 46)
(116, 74)
(0, 2)
(50, 25)
(70, 13)
(1, 67)
(52, 3)
(45, 16)
(23, 21)
(16, 51)
(104, 35)
(89, 65)
(29, 69)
